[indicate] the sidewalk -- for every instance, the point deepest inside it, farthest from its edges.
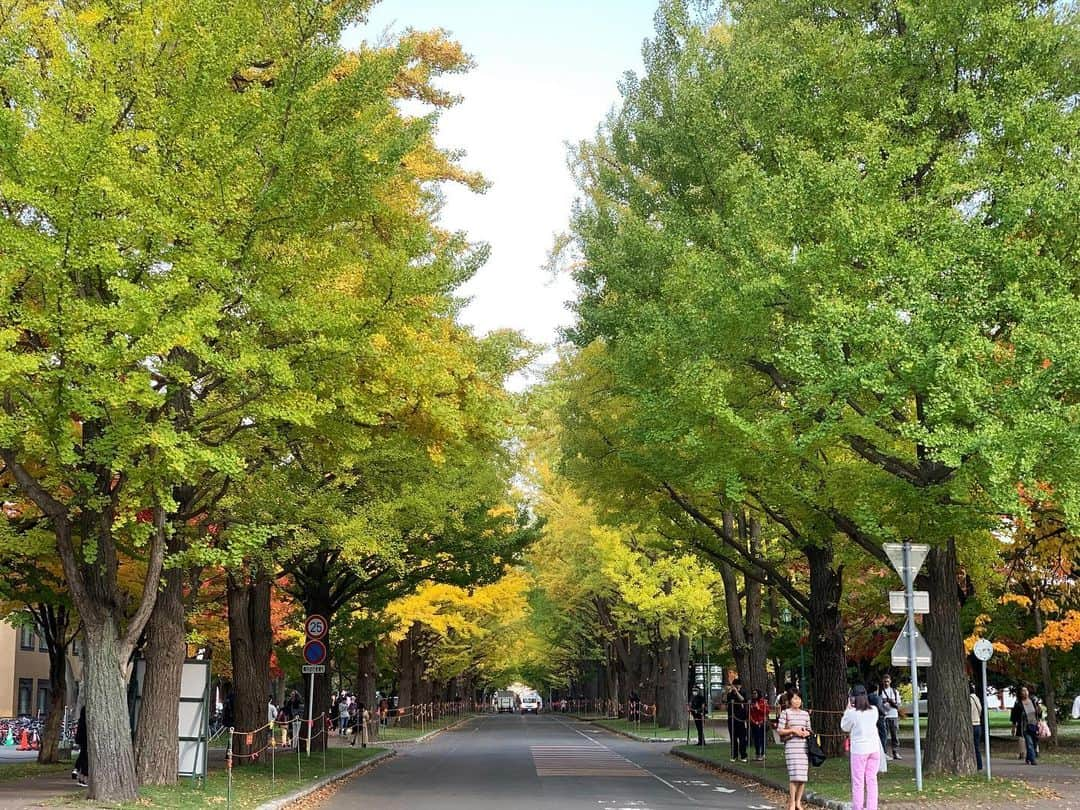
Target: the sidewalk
(37, 791)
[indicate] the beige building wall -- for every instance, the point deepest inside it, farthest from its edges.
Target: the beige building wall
(24, 662)
(9, 638)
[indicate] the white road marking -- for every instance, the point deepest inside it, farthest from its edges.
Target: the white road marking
(658, 778)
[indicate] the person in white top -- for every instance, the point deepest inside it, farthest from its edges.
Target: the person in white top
(860, 721)
(271, 710)
(890, 700)
(1076, 708)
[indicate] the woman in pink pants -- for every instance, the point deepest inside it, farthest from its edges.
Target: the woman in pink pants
(860, 721)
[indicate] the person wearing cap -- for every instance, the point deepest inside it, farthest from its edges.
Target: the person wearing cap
(860, 720)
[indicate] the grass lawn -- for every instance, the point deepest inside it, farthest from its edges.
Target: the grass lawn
(833, 779)
(22, 770)
(641, 729)
(252, 785)
(405, 732)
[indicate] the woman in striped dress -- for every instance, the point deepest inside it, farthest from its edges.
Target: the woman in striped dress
(794, 728)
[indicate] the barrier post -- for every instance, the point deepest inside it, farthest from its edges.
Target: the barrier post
(228, 770)
(273, 763)
(326, 743)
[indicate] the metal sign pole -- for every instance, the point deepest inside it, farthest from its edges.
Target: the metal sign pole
(310, 713)
(909, 582)
(986, 722)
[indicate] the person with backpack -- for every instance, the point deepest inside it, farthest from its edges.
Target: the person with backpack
(860, 720)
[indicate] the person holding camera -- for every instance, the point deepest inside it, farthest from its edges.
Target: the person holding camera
(890, 701)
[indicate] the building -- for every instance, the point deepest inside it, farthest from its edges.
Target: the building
(24, 672)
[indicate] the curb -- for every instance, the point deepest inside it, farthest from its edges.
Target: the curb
(326, 781)
(631, 736)
(809, 796)
(424, 737)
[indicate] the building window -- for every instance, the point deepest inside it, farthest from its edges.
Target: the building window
(26, 638)
(44, 647)
(43, 692)
(26, 695)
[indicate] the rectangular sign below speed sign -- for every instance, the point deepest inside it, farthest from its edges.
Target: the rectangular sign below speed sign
(314, 669)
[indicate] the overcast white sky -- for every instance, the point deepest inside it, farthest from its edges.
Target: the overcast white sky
(546, 74)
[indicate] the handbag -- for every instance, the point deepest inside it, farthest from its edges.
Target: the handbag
(814, 752)
(1043, 729)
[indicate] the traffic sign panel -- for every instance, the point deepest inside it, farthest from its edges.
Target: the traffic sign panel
(314, 651)
(916, 556)
(313, 669)
(316, 626)
(920, 598)
(923, 656)
(984, 650)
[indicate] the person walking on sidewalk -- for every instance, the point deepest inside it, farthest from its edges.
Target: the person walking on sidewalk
(1025, 717)
(976, 726)
(794, 729)
(860, 721)
(82, 767)
(890, 699)
(699, 708)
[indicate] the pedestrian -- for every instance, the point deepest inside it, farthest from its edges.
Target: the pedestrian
(759, 716)
(633, 712)
(343, 714)
(1076, 708)
(890, 699)
(976, 726)
(81, 773)
(296, 712)
(271, 712)
(876, 701)
(860, 720)
(794, 729)
(699, 709)
(284, 720)
(736, 702)
(1025, 717)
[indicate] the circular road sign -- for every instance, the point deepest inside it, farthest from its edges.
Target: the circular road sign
(983, 649)
(314, 652)
(316, 626)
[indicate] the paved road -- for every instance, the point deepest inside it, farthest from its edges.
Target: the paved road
(536, 763)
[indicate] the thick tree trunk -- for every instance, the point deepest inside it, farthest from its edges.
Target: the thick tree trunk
(157, 733)
(111, 758)
(250, 641)
(948, 747)
(49, 753)
(757, 637)
(829, 682)
(674, 672)
(1049, 693)
(740, 649)
(366, 674)
(405, 671)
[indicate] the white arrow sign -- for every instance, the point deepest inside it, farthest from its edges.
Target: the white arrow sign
(916, 557)
(923, 656)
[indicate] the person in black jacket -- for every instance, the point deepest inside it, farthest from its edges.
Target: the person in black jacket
(699, 708)
(736, 702)
(82, 768)
(1025, 716)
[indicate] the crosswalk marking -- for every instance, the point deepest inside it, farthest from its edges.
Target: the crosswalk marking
(581, 760)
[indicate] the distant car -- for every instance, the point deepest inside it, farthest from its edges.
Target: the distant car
(531, 703)
(504, 701)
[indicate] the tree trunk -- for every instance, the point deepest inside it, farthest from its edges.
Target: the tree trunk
(948, 747)
(49, 753)
(405, 671)
(250, 641)
(157, 734)
(366, 674)
(829, 682)
(1049, 693)
(674, 672)
(756, 633)
(111, 758)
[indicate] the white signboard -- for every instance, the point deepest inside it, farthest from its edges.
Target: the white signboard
(923, 656)
(920, 598)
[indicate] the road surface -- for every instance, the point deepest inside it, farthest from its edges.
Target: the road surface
(514, 762)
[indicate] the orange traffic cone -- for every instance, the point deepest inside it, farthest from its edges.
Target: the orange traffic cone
(24, 741)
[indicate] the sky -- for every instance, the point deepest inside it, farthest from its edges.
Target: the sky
(546, 74)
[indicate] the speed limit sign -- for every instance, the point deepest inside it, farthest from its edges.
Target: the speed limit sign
(316, 626)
